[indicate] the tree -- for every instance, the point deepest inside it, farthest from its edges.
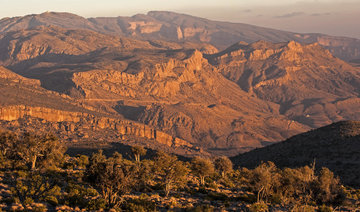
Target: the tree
(296, 183)
(170, 170)
(264, 179)
(327, 188)
(45, 149)
(145, 174)
(202, 168)
(138, 151)
(223, 165)
(32, 186)
(31, 149)
(113, 176)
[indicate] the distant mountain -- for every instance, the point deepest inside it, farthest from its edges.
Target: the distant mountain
(176, 27)
(310, 85)
(336, 146)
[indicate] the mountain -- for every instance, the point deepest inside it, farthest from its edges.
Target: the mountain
(310, 85)
(335, 146)
(172, 90)
(26, 106)
(187, 95)
(174, 27)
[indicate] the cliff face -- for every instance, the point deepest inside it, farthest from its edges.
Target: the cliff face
(162, 80)
(74, 122)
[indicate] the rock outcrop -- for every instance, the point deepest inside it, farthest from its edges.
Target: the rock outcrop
(74, 120)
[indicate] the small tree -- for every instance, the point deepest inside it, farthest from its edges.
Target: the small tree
(31, 149)
(170, 170)
(202, 168)
(34, 148)
(32, 186)
(145, 174)
(223, 165)
(138, 151)
(264, 179)
(113, 176)
(327, 188)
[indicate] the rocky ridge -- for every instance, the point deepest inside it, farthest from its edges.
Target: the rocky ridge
(303, 79)
(170, 26)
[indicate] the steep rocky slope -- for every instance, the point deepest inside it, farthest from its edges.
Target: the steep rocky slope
(244, 97)
(336, 146)
(25, 106)
(206, 109)
(310, 85)
(179, 27)
(185, 96)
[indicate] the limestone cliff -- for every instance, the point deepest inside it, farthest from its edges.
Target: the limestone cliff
(75, 122)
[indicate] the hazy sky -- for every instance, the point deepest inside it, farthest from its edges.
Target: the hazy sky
(335, 17)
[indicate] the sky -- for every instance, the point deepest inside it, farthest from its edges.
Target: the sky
(333, 17)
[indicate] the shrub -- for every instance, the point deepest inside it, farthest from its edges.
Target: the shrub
(258, 207)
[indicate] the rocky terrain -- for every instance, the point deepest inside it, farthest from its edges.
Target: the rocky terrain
(25, 106)
(189, 93)
(303, 79)
(169, 26)
(335, 146)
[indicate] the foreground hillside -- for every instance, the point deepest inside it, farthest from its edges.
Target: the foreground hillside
(35, 175)
(336, 146)
(169, 26)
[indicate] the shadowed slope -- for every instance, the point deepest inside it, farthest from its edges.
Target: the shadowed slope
(336, 146)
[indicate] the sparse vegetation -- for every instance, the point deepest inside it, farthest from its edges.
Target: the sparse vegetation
(65, 183)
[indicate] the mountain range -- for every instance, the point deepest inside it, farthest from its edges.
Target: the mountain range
(170, 81)
(175, 27)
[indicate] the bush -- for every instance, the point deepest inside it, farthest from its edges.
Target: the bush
(258, 207)
(78, 195)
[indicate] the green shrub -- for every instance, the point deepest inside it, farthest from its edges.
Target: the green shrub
(259, 207)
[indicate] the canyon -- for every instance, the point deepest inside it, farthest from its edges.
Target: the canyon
(190, 95)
